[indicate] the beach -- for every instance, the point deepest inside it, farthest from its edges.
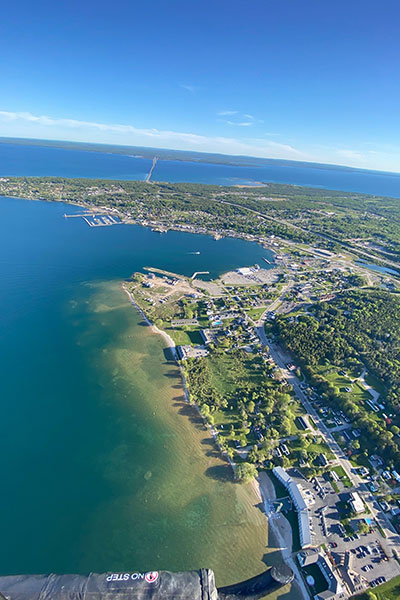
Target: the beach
(167, 338)
(262, 487)
(281, 528)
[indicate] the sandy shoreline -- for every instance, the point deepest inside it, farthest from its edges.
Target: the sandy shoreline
(171, 345)
(281, 528)
(170, 342)
(262, 486)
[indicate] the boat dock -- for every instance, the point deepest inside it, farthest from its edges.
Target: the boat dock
(96, 220)
(199, 273)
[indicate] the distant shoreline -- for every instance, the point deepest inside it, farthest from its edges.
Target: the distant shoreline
(148, 153)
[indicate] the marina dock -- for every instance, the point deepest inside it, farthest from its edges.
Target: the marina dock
(199, 273)
(96, 220)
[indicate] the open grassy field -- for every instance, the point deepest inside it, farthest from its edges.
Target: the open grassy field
(255, 313)
(375, 383)
(317, 447)
(343, 477)
(182, 337)
(332, 375)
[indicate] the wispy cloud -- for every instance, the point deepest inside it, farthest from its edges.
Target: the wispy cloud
(351, 154)
(190, 88)
(29, 125)
(241, 120)
(240, 123)
(26, 124)
(227, 113)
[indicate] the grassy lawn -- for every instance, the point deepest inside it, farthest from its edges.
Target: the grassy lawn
(335, 486)
(255, 313)
(359, 460)
(298, 411)
(320, 581)
(183, 337)
(347, 526)
(321, 448)
(375, 383)
(313, 447)
(331, 375)
(342, 474)
(337, 435)
(358, 393)
(224, 373)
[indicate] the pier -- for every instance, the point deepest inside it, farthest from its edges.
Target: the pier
(147, 180)
(199, 273)
(96, 220)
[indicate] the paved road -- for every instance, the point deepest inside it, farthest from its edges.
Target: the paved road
(375, 395)
(281, 359)
(274, 305)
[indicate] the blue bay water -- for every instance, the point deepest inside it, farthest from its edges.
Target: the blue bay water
(19, 160)
(96, 473)
(102, 467)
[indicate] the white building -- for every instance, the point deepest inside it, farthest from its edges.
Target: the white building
(299, 503)
(356, 503)
(244, 271)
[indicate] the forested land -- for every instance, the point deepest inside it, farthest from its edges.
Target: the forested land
(237, 391)
(357, 330)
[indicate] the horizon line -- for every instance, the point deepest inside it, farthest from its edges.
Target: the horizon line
(4, 139)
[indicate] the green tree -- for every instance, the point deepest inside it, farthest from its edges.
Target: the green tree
(363, 527)
(253, 455)
(245, 472)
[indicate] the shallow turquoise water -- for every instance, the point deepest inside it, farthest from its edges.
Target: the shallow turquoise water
(99, 470)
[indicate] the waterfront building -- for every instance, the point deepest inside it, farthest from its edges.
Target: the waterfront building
(185, 352)
(318, 557)
(300, 504)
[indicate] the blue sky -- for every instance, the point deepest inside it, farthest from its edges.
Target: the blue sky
(297, 79)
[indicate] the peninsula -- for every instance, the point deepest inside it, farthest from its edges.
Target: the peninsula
(293, 363)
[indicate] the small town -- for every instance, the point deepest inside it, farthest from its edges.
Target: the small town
(200, 300)
(334, 507)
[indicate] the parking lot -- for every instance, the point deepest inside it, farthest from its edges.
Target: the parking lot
(365, 553)
(324, 517)
(368, 559)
